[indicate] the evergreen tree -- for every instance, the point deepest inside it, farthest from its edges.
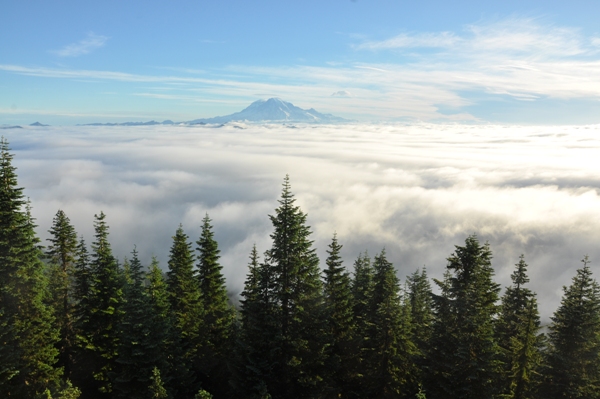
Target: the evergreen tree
(184, 297)
(390, 361)
(340, 326)
(62, 252)
(156, 388)
(218, 316)
(297, 292)
(104, 301)
(140, 343)
(572, 366)
(421, 311)
(254, 370)
(27, 334)
(518, 338)
(466, 361)
(362, 293)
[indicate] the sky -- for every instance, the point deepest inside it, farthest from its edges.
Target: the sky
(416, 190)
(516, 62)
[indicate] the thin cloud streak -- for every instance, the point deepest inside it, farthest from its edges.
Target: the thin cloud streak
(85, 46)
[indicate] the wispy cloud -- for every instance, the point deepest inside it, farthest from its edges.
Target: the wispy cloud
(84, 46)
(443, 39)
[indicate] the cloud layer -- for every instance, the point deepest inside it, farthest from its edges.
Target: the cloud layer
(416, 190)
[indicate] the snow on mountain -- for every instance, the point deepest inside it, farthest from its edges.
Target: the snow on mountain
(273, 110)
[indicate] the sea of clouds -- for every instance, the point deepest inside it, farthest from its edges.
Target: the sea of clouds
(416, 190)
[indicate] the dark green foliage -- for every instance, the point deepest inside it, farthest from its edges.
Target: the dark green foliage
(186, 310)
(254, 348)
(420, 300)
(342, 351)
(297, 292)
(62, 253)
(390, 359)
(520, 344)
(27, 333)
(156, 388)
(465, 360)
(104, 302)
(572, 366)
(362, 293)
(140, 342)
(218, 316)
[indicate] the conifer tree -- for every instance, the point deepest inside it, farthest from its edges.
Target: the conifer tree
(466, 361)
(390, 361)
(62, 252)
(341, 351)
(297, 292)
(184, 297)
(156, 388)
(254, 370)
(27, 334)
(218, 315)
(104, 301)
(517, 330)
(572, 368)
(421, 312)
(362, 293)
(140, 343)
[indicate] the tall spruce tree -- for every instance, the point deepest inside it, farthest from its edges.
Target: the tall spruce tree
(520, 343)
(390, 361)
(466, 361)
(186, 307)
(27, 333)
(572, 366)
(62, 253)
(341, 363)
(104, 301)
(297, 291)
(218, 316)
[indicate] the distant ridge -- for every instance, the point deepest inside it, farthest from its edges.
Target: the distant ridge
(38, 124)
(11, 127)
(271, 110)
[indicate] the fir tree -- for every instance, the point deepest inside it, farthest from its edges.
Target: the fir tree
(184, 297)
(390, 361)
(572, 368)
(362, 293)
(140, 343)
(104, 301)
(340, 326)
(62, 252)
(297, 292)
(218, 315)
(156, 388)
(27, 333)
(466, 361)
(518, 338)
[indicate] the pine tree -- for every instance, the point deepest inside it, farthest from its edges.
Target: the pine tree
(156, 388)
(27, 334)
(390, 361)
(61, 251)
(517, 330)
(572, 368)
(466, 361)
(218, 316)
(184, 297)
(104, 301)
(297, 292)
(342, 351)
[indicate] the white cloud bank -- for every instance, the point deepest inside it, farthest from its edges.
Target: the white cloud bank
(416, 190)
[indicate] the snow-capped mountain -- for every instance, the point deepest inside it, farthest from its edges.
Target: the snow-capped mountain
(273, 110)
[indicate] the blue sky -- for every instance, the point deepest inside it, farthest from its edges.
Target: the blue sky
(530, 62)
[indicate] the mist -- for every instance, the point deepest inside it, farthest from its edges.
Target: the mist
(416, 190)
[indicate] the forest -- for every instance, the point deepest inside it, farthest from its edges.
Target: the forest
(75, 322)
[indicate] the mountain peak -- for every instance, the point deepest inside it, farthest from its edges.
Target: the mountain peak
(273, 110)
